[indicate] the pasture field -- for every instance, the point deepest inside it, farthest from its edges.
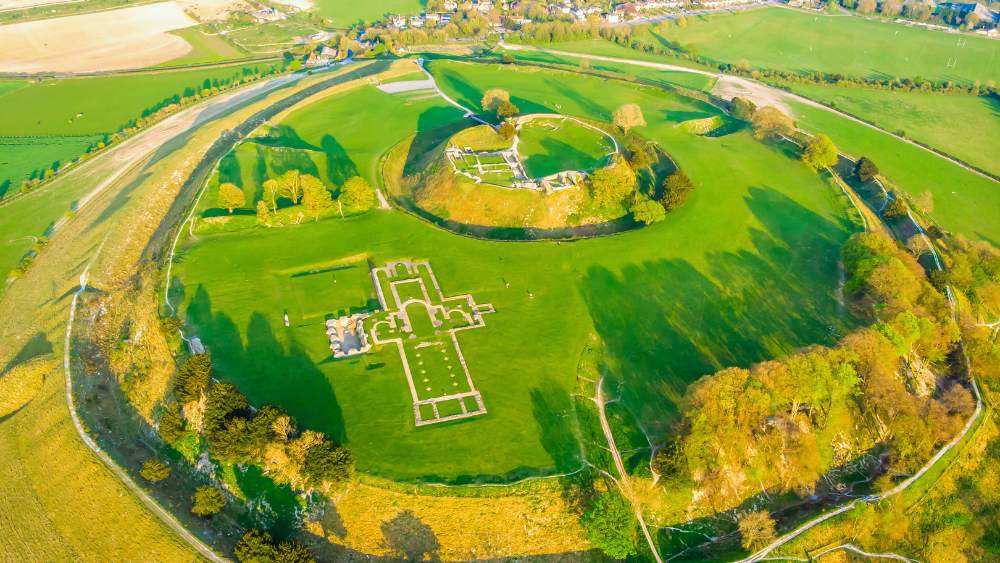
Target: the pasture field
(204, 48)
(712, 285)
(964, 202)
(42, 122)
(271, 38)
(344, 13)
(554, 145)
(125, 38)
(791, 40)
(966, 127)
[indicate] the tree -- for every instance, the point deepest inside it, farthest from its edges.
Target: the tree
(925, 202)
(290, 185)
(263, 214)
(192, 378)
(357, 193)
(506, 110)
(648, 211)
(612, 184)
(508, 129)
(611, 526)
(154, 471)
(896, 208)
(866, 6)
(171, 425)
(327, 462)
(756, 530)
(640, 154)
(493, 98)
(316, 199)
(769, 123)
(820, 152)
(224, 399)
(742, 108)
(231, 197)
(628, 116)
(207, 501)
(676, 188)
(865, 170)
(257, 546)
(272, 188)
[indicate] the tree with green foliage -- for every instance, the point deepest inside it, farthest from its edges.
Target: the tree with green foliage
(640, 154)
(507, 110)
(207, 501)
(272, 189)
(357, 193)
(193, 377)
(756, 530)
(507, 129)
(257, 546)
(742, 108)
(820, 152)
(224, 399)
(492, 99)
(771, 123)
(327, 462)
(628, 117)
(171, 425)
(231, 197)
(264, 218)
(154, 471)
(648, 211)
(610, 185)
(316, 199)
(611, 525)
(676, 188)
(895, 209)
(289, 185)
(865, 170)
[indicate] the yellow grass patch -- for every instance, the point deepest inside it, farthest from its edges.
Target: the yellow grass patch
(387, 523)
(20, 384)
(117, 39)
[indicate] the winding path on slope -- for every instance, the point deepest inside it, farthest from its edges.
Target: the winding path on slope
(728, 86)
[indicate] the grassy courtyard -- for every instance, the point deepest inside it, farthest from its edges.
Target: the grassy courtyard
(745, 271)
(549, 146)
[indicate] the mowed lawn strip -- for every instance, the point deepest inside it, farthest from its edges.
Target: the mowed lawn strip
(745, 271)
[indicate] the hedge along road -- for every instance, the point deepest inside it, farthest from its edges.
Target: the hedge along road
(37, 304)
(729, 86)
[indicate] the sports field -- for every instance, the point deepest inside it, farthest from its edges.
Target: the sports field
(549, 146)
(966, 127)
(791, 40)
(712, 285)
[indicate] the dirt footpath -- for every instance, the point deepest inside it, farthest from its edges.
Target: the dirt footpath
(113, 40)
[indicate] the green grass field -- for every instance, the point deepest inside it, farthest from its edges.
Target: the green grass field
(204, 48)
(745, 271)
(791, 40)
(47, 121)
(554, 145)
(348, 12)
(963, 126)
(963, 201)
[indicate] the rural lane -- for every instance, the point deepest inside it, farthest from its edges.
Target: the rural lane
(729, 86)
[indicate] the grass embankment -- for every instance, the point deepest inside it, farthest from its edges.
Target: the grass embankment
(791, 40)
(47, 123)
(710, 286)
(966, 127)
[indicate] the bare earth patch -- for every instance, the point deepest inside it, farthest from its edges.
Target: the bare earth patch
(7, 5)
(116, 39)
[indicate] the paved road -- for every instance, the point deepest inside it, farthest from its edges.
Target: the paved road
(763, 94)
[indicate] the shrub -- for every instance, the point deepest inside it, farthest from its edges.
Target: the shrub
(154, 471)
(207, 501)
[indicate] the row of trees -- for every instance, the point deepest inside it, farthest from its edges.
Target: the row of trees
(781, 425)
(236, 433)
(300, 189)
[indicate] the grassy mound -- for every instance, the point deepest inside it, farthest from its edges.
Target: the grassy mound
(479, 138)
(551, 145)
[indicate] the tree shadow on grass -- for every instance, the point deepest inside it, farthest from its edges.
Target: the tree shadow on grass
(667, 323)
(37, 345)
(555, 415)
(558, 157)
(434, 127)
(410, 539)
(339, 165)
(267, 370)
